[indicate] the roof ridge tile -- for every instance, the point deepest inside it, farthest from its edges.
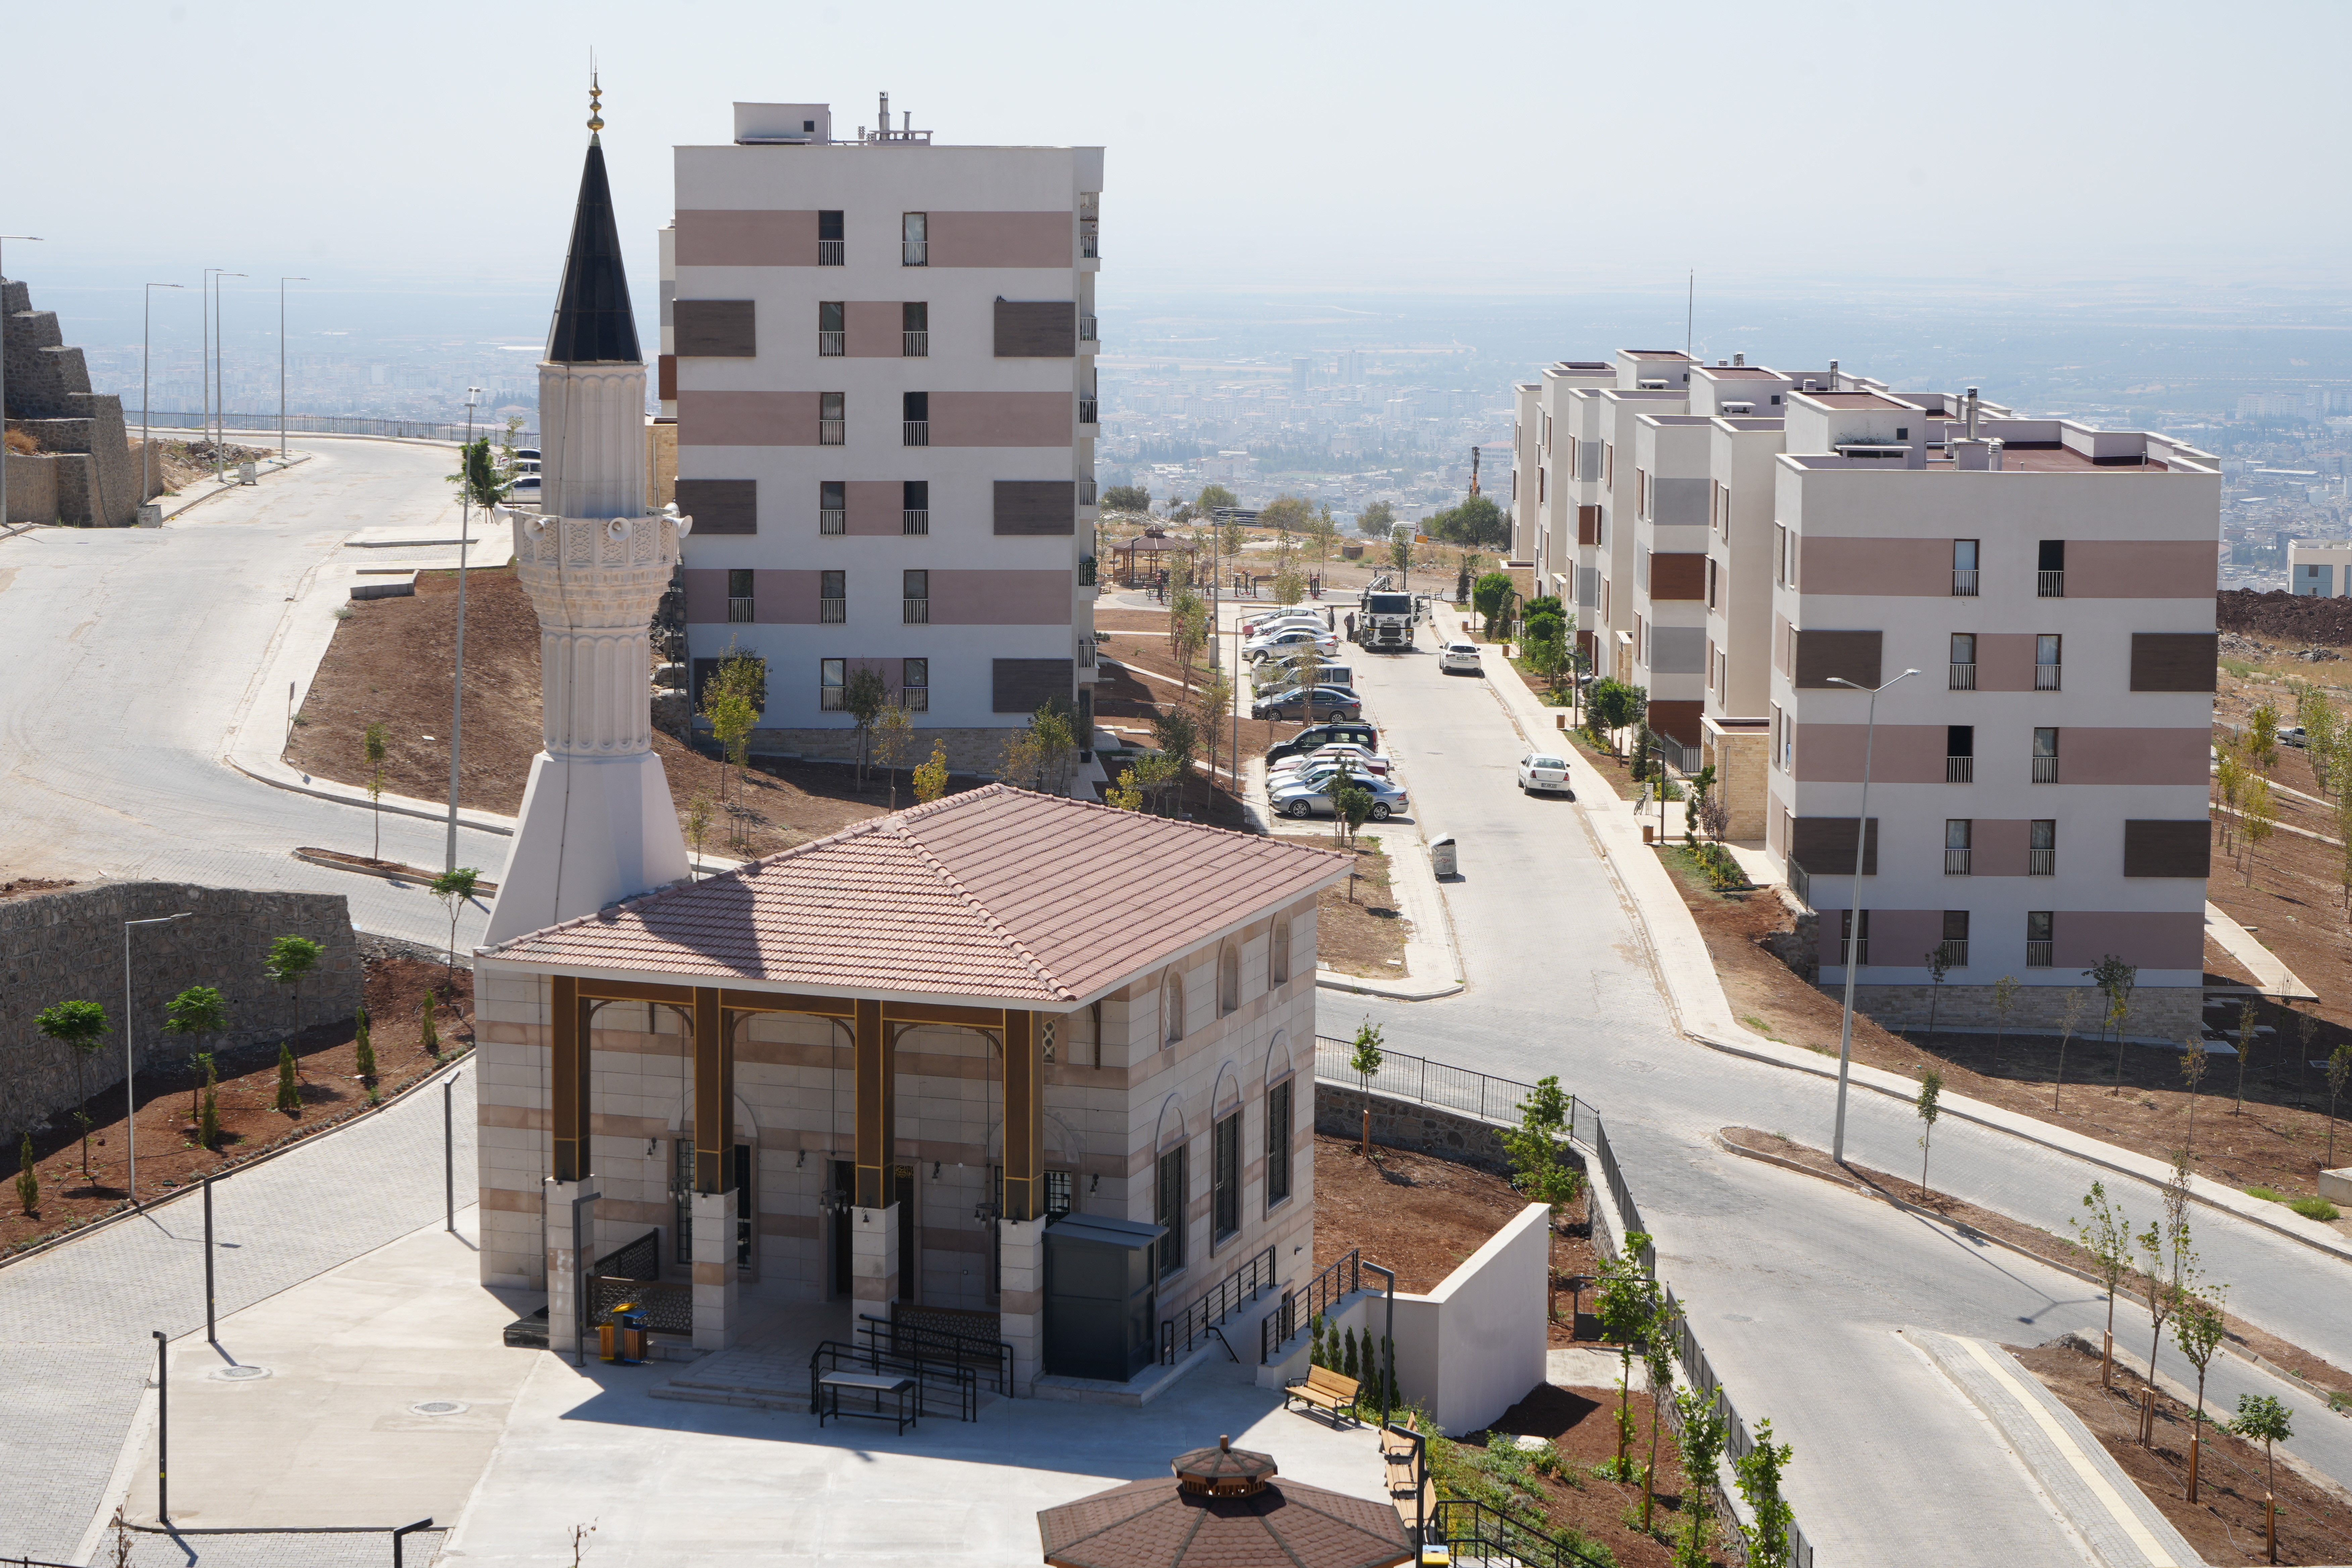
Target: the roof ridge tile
(1046, 976)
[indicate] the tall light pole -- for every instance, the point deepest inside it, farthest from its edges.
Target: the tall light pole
(281, 363)
(146, 442)
(130, 1064)
(204, 357)
(1853, 915)
(4, 385)
(457, 685)
(220, 377)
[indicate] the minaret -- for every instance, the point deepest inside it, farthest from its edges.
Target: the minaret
(598, 824)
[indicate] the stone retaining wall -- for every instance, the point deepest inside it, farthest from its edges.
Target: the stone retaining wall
(2158, 1012)
(68, 946)
(1405, 1124)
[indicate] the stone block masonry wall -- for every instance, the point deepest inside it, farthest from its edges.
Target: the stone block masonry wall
(2158, 1012)
(81, 433)
(68, 946)
(1404, 1124)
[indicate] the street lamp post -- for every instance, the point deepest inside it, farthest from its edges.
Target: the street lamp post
(457, 686)
(281, 363)
(146, 442)
(4, 385)
(130, 1065)
(220, 376)
(205, 358)
(1853, 913)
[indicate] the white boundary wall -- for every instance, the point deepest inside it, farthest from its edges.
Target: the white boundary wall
(1473, 1347)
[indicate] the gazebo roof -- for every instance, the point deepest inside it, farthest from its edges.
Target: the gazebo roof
(995, 893)
(1156, 1523)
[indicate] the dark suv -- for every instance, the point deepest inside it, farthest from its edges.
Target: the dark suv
(1343, 733)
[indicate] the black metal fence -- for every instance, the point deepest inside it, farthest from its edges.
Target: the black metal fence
(1477, 1530)
(630, 1275)
(992, 1359)
(934, 1377)
(234, 424)
(1343, 1276)
(182, 1550)
(1425, 1082)
(1245, 1284)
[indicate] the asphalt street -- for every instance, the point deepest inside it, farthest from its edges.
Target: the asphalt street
(1796, 1289)
(134, 654)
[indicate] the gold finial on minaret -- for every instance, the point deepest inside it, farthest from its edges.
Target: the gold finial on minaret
(595, 108)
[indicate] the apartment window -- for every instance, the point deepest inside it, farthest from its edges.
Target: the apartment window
(2045, 662)
(1641, 492)
(1277, 955)
(1956, 939)
(832, 418)
(832, 506)
(915, 598)
(1574, 446)
(1169, 1210)
(914, 236)
(1090, 239)
(1859, 940)
(2046, 756)
(1784, 745)
(1960, 753)
(1546, 434)
(915, 329)
(1171, 1008)
(914, 686)
(2050, 578)
(1959, 833)
(1710, 581)
(1226, 1180)
(2041, 940)
(832, 677)
(1229, 979)
(830, 252)
(1278, 1136)
(1609, 463)
(1061, 1193)
(2041, 848)
(831, 340)
(832, 597)
(1540, 478)
(914, 416)
(1963, 674)
(914, 507)
(738, 594)
(1964, 568)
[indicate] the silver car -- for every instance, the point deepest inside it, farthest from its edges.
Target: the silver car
(1309, 794)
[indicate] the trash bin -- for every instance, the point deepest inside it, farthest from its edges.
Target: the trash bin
(247, 474)
(621, 1340)
(1442, 858)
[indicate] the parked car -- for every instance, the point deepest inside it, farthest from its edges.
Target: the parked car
(1311, 795)
(529, 454)
(1277, 676)
(2295, 737)
(1258, 626)
(1328, 702)
(1268, 646)
(1352, 733)
(1459, 655)
(1542, 772)
(1363, 759)
(525, 487)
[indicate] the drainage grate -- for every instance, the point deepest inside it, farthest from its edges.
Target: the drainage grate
(439, 1407)
(241, 1373)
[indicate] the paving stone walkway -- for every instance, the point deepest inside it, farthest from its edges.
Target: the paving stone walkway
(81, 1316)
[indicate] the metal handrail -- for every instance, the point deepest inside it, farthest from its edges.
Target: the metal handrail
(833, 432)
(1089, 411)
(832, 612)
(832, 520)
(915, 1339)
(1964, 582)
(915, 432)
(914, 612)
(1426, 1082)
(1956, 862)
(2046, 677)
(915, 345)
(831, 345)
(832, 253)
(1247, 1283)
(916, 519)
(1475, 1528)
(326, 425)
(2050, 584)
(2041, 862)
(1963, 677)
(833, 1355)
(2045, 770)
(739, 610)
(1960, 770)
(2039, 955)
(1343, 1276)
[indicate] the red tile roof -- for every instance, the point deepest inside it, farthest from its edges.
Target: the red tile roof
(997, 894)
(1155, 1524)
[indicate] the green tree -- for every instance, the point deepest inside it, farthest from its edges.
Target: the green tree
(2262, 737)
(1351, 804)
(2115, 979)
(1289, 581)
(194, 1012)
(289, 1098)
(2070, 1018)
(1939, 960)
(1701, 1441)
(1213, 497)
(1325, 531)
(1491, 596)
(1475, 521)
(697, 824)
(894, 732)
(1612, 705)
(1127, 499)
(362, 1047)
(1930, 1105)
(455, 890)
(2193, 1063)
(1377, 521)
(1188, 628)
(1287, 513)
(2321, 721)
(930, 780)
(1178, 735)
(79, 1026)
(1537, 1148)
(1758, 1475)
(1401, 549)
(1626, 1304)
(1366, 1065)
(1125, 793)
(733, 699)
(2106, 1238)
(2167, 1272)
(28, 1180)
(2262, 1419)
(1658, 1364)
(1156, 777)
(2257, 819)
(864, 696)
(1548, 655)
(208, 1115)
(290, 959)
(373, 748)
(2339, 1069)
(2199, 1331)
(428, 1036)
(1212, 704)
(478, 477)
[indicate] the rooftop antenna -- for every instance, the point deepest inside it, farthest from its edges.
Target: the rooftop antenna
(1690, 312)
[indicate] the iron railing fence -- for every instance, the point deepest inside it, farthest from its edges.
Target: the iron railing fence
(2048, 677)
(319, 1552)
(1960, 770)
(1477, 1530)
(1244, 1285)
(915, 345)
(247, 423)
(1344, 1275)
(1426, 1082)
(934, 1377)
(2041, 862)
(992, 1359)
(916, 520)
(2045, 770)
(833, 520)
(1963, 677)
(2050, 584)
(1957, 862)
(1964, 582)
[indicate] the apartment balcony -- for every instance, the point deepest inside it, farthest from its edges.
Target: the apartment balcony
(1964, 583)
(1089, 411)
(1087, 494)
(832, 612)
(1963, 677)
(2050, 584)
(914, 522)
(2045, 676)
(2041, 862)
(1956, 954)
(915, 345)
(915, 253)
(915, 612)
(915, 699)
(832, 520)
(1956, 862)
(2038, 954)
(833, 432)
(1090, 239)
(832, 253)
(1085, 571)
(831, 345)
(1087, 330)
(914, 432)
(2045, 770)
(830, 699)
(1960, 770)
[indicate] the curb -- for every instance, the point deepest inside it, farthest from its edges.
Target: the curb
(401, 876)
(341, 796)
(224, 488)
(1332, 980)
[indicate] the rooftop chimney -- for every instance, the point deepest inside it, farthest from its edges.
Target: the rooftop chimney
(1972, 413)
(1739, 359)
(1835, 383)
(882, 127)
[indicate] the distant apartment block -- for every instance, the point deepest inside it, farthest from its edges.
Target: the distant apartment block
(880, 354)
(2319, 568)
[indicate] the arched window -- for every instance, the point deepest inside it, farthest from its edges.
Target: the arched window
(1277, 958)
(1171, 1007)
(1229, 978)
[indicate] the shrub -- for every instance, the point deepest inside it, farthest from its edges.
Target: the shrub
(2315, 1208)
(28, 1181)
(428, 1037)
(289, 1098)
(362, 1052)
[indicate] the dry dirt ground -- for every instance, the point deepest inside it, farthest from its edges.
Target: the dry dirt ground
(1149, 682)
(396, 992)
(2226, 1523)
(1582, 1425)
(1358, 929)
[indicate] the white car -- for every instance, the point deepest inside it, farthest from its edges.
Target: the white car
(1295, 636)
(1361, 758)
(1260, 625)
(1460, 655)
(1540, 771)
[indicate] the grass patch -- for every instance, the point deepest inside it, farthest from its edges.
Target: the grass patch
(2268, 1195)
(2315, 1208)
(1760, 1027)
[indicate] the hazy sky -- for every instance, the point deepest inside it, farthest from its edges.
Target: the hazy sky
(1366, 146)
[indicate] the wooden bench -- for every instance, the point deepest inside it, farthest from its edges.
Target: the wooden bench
(1323, 1389)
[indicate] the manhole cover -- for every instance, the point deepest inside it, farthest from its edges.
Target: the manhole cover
(439, 1407)
(241, 1373)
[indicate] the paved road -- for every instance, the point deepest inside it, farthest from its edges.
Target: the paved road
(134, 651)
(1795, 1288)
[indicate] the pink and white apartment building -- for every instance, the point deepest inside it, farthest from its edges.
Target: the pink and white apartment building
(880, 354)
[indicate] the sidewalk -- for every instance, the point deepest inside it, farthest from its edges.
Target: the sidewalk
(1686, 977)
(2269, 971)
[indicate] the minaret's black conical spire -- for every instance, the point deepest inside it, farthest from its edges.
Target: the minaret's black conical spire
(593, 318)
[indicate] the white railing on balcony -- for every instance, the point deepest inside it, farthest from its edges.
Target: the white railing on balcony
(915, 432)
(833, 432)
(2038, 954)
(830, 698)
(1964, 582)
(832, 612)
(831, 345)
(916, 700)
(2050, 584)
(1960, 770)
(2045, 770)
(738, 611)
(2045, 676)
(1963, 677)
(831, 253)
(1087, 330)
(916, 252)
(1956, 862)
(915, 612)
(1086, 492)
(2041, 862)
(1956, 954)
(915, 345)
(1090, 239)
(832, 520)
(914, 522)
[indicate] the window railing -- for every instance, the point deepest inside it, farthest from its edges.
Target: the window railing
(2045, 770)
(833, 432)
(915, 612)
(1085, 571)
(2038, 954)
(832, 253)
(738, 611)
(915, 345)
(2050, 584)
(915, 432)
(830, 699)
(1956, 862)
(1960, 770)
(1861, 952)
(832, 612)
(833, 345)
(1962, 679)
(1956, 954)
(1090, 239)
(2041, 862)
(1087, 411)
(915, 252)
(916, 700)
(832, 520)
(1086, 492)
(914, 522)
(2045, 676)
(1087, 330)
(1964, 582)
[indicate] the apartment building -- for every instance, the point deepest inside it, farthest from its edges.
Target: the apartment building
(2038, 788)
(879, 351)
(2318, 568)
(1544, 540)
